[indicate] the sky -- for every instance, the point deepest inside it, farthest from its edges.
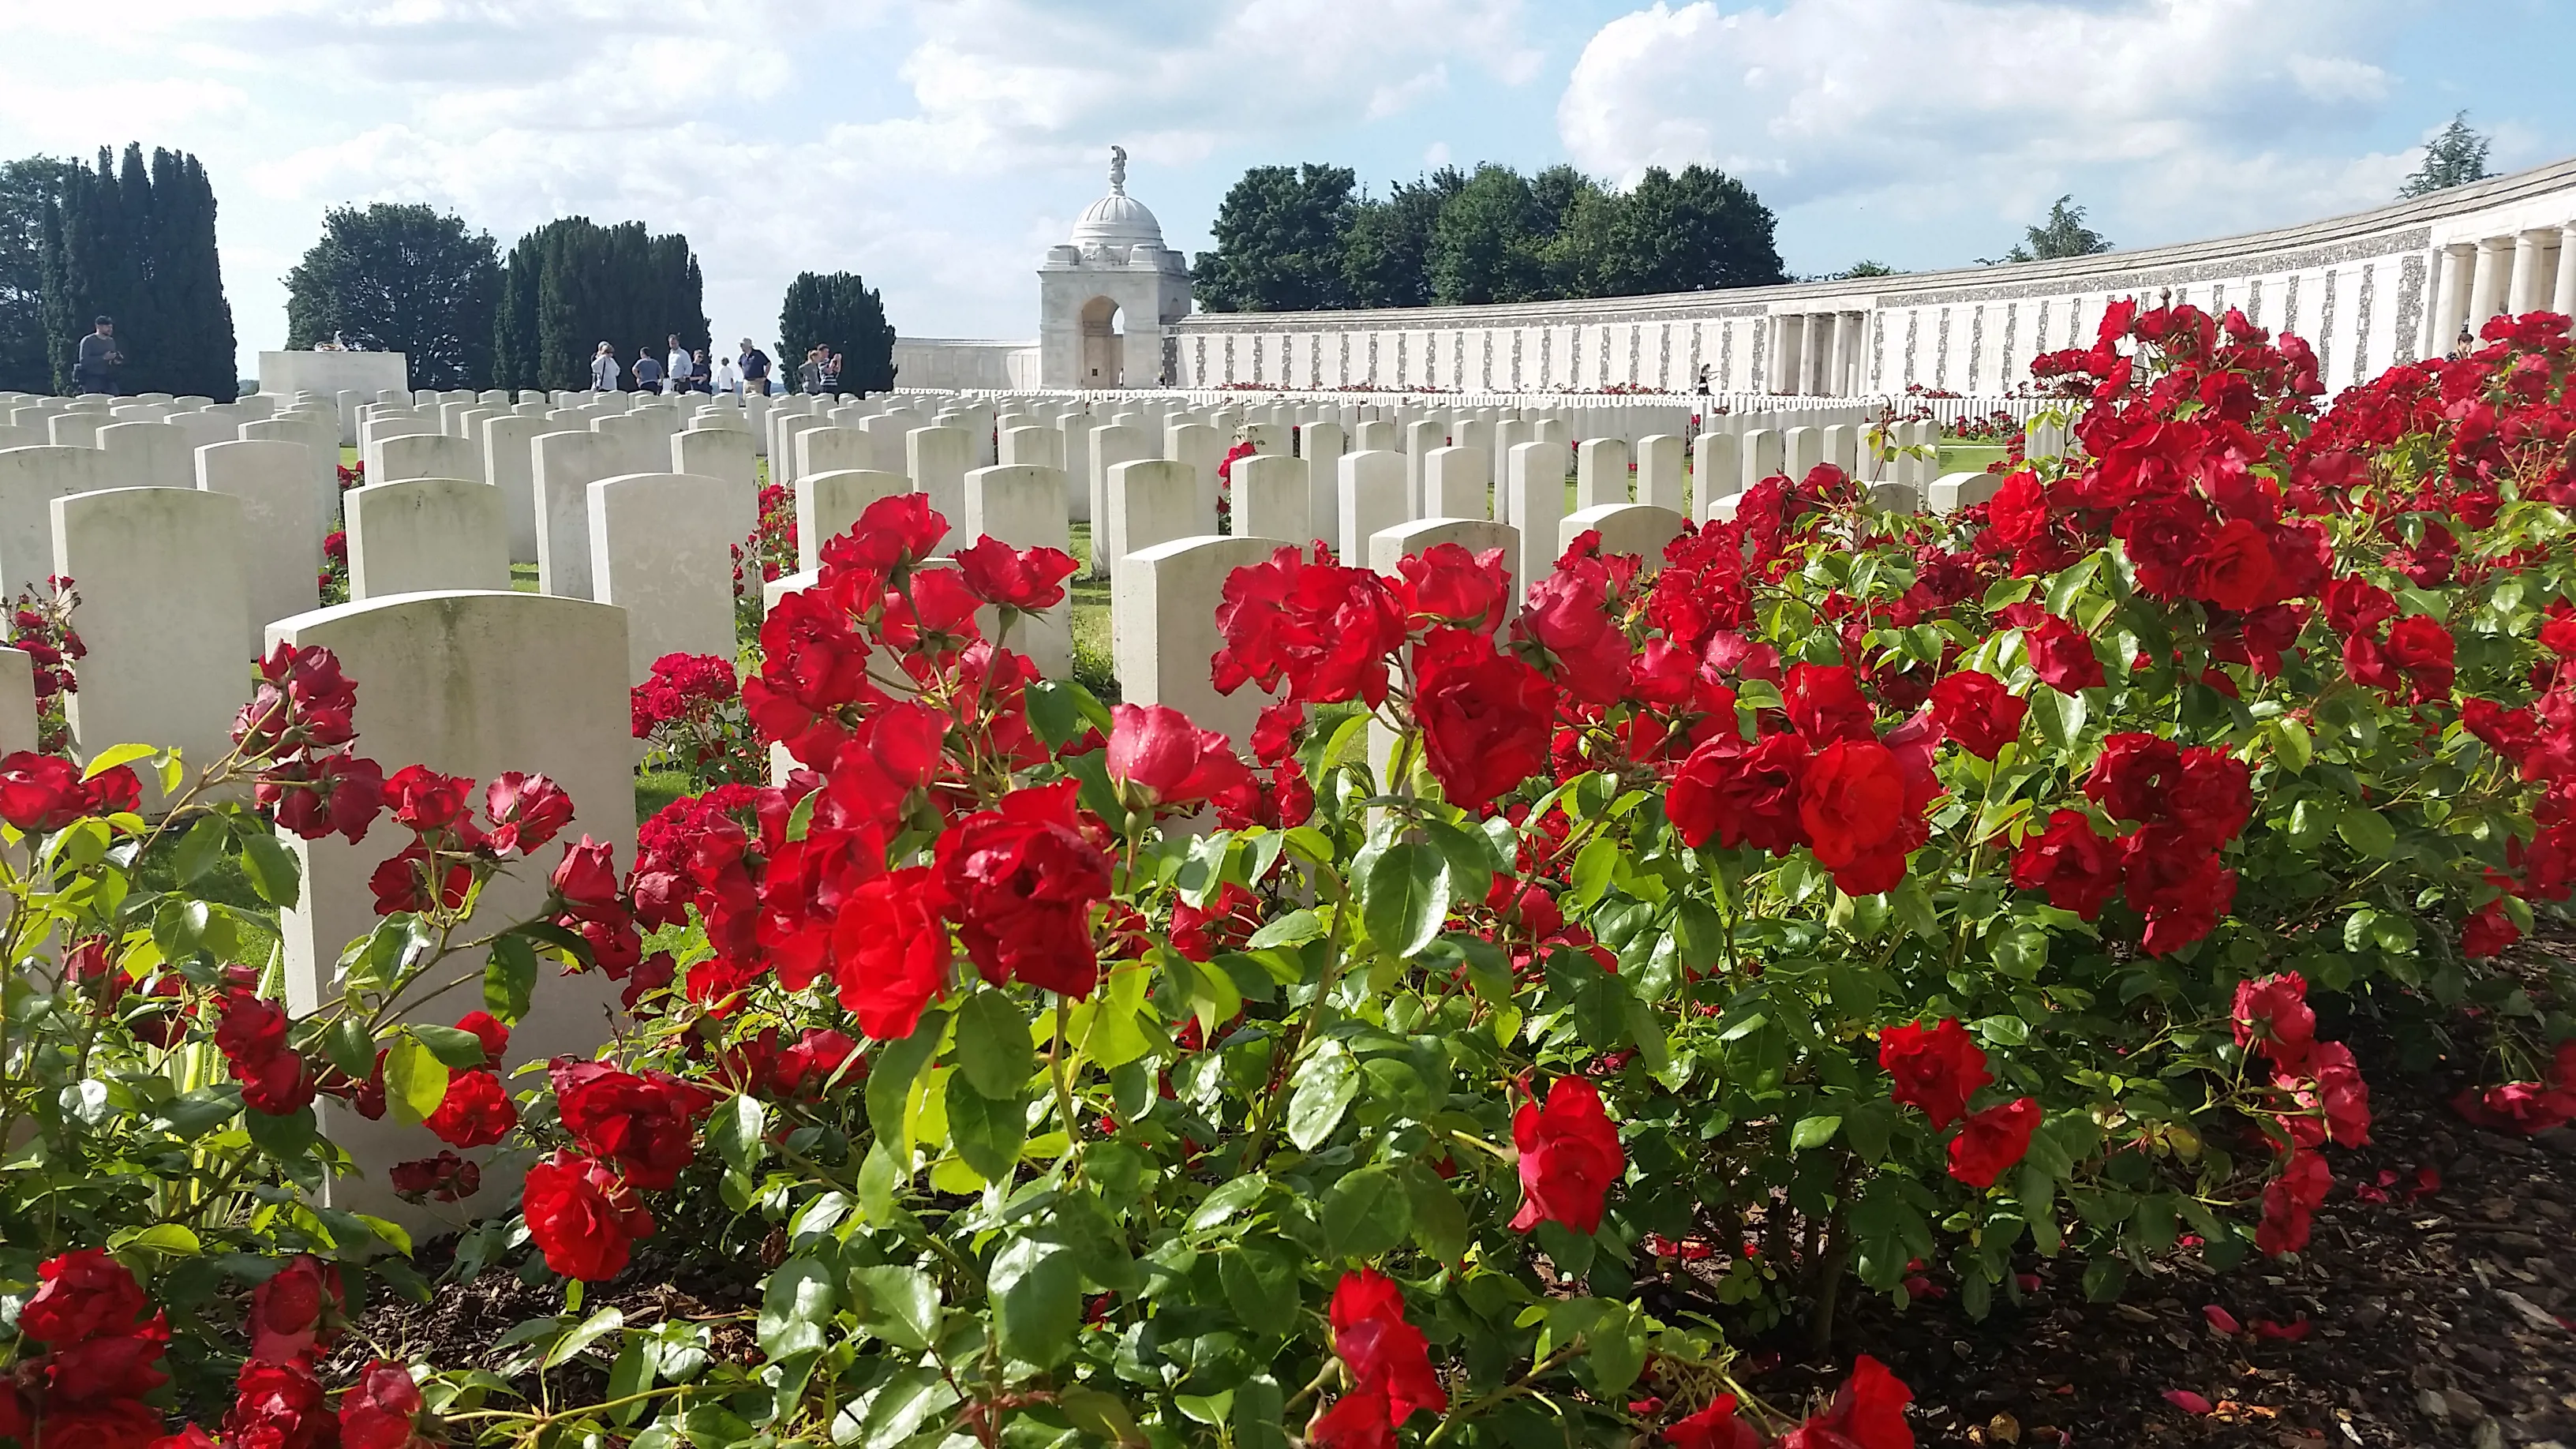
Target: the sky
(938, 147)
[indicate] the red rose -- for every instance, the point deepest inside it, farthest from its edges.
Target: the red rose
(1976, 710)
(645, 1123)
(1447, 585)
(1224, 924)
(1853, 804)
(2077, 868)
(2234, 568)
(1324, 629)
(398, 883)
(1936, 1068)
(2341, 1094)
(381, 1410)
(895, 532)
(587, 879)
(292, 1313)
(188, 1437)
(476, 1112)
(583, 1218)
(1156, 756)
(1826, 705)
(1992, 1140)
(425, 800)
(113, 791)
(2525, 1107)
(1384, 1353)
(279, 1406)
(2131, 774)
(2273, 1017)
(252, 1027)
(2488, 932)
(1020, 882)
(2062, 655)
(1868, 1411)
(2358, 606)
(444, 1178)
(336, 794)
(1357, 1420)
(279, 1084)
(1486, 718)
(488, 1030)
(1568, 615)
(816, 1058)
(2288, 1200)
(526, 812)
(1028, 580)
(2177, 885)
(81, 1294)
(118, 1424)
(1741, 794)
(2209, 795)
(122, 1365)
(890, 952)
(41, 793)
(1715, 1427)
(2420, 645)
(1569, 1157)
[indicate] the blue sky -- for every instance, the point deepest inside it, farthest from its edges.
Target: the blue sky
(938, 146)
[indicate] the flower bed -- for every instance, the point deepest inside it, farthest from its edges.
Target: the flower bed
(1858, 904)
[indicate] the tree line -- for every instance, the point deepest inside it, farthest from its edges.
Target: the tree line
(1299, 238)
(132, 238)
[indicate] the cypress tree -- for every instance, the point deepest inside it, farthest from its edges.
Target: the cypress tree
(840, 311)
(136, 242)
(572, 284)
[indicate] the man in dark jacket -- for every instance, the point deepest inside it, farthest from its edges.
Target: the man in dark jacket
(755, 369)
(94, 367)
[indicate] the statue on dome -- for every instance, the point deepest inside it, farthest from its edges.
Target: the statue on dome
(1118, 171)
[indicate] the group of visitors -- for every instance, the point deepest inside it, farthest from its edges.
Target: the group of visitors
(679, 369)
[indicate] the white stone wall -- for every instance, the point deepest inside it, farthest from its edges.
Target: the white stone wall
(2366, 291)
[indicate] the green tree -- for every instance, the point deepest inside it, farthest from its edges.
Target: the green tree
(136, 241)
(27, 187)
(405, 279)
(572, 284)
(1864, 268)
(2455, 156)
(2063, 234)
(1488, 245)
(1698, 231)
(1386, 253)
(840, 311)
(1279, 240)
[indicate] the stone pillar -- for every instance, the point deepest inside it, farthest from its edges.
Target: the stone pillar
(2562, 295)
(1534, 478)
(2486, 283)
(1022, 504)
(165, 613)
(1838, 356)
(1600, 472)
(470, 684)
(1162, 613)
(661, 548)
(2524, 291)
(1273, 497)
(423, 534)
(281, 538)
(1809, 348)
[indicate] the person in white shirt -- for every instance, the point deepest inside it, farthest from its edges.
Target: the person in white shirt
(676, 366)
(727, 377)
(604, 369)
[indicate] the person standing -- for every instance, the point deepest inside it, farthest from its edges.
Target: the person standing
(831, 372)
(677, 365)
(94, 366)
(648, 371)
(809, 378)
(604, 369)
(755, 369)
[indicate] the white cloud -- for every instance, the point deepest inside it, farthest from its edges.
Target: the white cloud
(2173, 118)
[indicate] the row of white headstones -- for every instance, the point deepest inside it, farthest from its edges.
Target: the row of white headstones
(189, 554)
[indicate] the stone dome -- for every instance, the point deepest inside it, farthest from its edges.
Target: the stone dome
(1117, 221)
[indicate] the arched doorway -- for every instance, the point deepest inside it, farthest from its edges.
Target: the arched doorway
(1104, 344)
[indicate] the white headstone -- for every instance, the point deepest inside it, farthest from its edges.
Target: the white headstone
(1534, 477)
(1659, 470)
(717, 453)
(1950, 492)
(510, 466)
(424, 455)
(147, 455)
(165, 613)
(1162, 613)
(1372, 492)
(1022, 504)
(1110, 446)
(829, 504)
(566, 465)
(1151, 501)
(1272, 497)
(1641, 529)
(1717, 471)
(1454, 483)
(30, 480)
(661, 548)
(1388, 547)
(1201, 447)
(422, 534)
(281, 538)
(936, 461)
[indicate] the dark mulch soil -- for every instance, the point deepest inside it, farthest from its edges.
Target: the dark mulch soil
(2431, 1322)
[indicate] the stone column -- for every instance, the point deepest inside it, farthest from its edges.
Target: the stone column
(1809, 345)
(2486, 284)
(1838, 356)
(2451, 304)
(2562, 297)
(2523, 293)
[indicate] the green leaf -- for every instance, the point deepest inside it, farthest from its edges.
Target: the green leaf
(2291, 745)
(1099, 1414)
(1593, 867)
(170, 1240)
(993, 1050)
(1404, 896)
(1365, 1214)
(2366, 831)
(1470, 854)
(890, 1079)
(510, 978)
(901, 1406)
(1293, 929)
(2060, 716)
(460, 1049)
(1439, 1221)
(346, 1043)
(739, 1132)
(1614, 1349)
(115, 755)
(986, 1131)
(1813, 1132)
(1236, 1195)
(1261, 1285)
(415, 1079)
(795, 1308)
(1037, 1300)
(200, 848)
(592, 1329)
(898, 1304)
(1326, 1084)
(284, 1138)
